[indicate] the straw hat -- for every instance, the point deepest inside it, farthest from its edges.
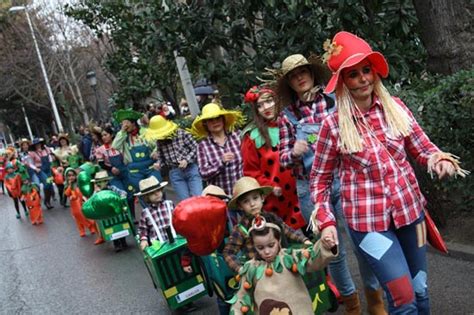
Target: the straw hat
(216, 191)
(212, 110)
(292, 62)
(244, 185)
(346, 50)
(127, 114)
(101, 176)
(63, 136)
(23, 140)
(149, 185)
(160, 128)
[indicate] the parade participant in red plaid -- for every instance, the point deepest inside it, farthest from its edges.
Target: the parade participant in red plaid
(261, 156)
(219, 156)
(369, 140)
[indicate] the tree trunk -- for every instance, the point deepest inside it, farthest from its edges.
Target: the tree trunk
(446, 31)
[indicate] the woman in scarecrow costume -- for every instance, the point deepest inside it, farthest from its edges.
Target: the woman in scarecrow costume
(303, 107)
(219, 156)
(40, 155)
(369, 139)
(26, 159)
(176, 148)
(261, 156)
(135, 149)
(3, 163)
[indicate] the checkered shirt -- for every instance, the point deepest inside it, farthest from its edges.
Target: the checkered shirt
(181, 147)
(375, 188)
(239, 242)
(160, 215)
(311, 113)
(213, 170)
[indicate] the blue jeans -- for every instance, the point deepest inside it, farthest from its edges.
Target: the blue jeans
(398, 259)
(186, 183)
(338, 268)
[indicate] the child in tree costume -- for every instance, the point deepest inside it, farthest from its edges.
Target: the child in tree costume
(76, 200)
(30, 194)
(272, 283)
(249, 196)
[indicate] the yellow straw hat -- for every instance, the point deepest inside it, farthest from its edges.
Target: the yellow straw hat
(212, 110)
(160, 128)
(244, 185)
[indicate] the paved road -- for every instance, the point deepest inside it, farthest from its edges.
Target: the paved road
(49, 269)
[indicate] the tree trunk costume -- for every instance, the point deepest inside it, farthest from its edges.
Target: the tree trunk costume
(30, 193)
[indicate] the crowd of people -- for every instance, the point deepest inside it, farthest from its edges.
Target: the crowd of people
(326, 150)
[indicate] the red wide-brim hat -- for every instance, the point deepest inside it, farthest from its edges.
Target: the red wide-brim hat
(347, 50)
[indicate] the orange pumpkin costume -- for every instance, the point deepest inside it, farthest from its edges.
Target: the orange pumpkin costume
(76, 201)
(13, 185)
(32, 198)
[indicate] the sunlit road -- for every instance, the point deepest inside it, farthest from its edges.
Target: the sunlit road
(49, 269)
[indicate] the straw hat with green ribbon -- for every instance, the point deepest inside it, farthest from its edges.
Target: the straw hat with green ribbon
(212, 110)
(160, 128)
(127, 114)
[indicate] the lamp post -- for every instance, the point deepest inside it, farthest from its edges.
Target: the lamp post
(92, 79)
(27, 122)
(43, 69)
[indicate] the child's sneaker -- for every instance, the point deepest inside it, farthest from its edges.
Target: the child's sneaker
(27, 213)
(18, 216)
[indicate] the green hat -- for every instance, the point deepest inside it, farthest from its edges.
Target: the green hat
(127, 114)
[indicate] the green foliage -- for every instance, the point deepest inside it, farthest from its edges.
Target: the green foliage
(231, 42)
(444, 107)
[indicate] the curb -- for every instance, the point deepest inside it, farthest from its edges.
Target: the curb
(458, 250)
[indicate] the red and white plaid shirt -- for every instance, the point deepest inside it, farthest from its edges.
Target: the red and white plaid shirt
(376, 188)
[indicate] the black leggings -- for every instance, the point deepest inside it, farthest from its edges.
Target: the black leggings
(17, 206)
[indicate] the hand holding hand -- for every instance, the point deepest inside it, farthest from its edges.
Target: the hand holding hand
(188, 269)
(156, 166)
(329, 237)
(115, 171)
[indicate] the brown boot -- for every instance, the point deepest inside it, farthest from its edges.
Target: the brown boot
(351, 304)
(375, 304)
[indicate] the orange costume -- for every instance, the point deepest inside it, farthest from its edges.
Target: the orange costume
(76, 201)
(32, 199)
(13, 184)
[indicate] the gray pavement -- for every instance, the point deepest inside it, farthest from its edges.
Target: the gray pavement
(49, 269)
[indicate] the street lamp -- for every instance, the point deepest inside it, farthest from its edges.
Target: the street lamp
(43, 69)
(27, 122)
(92, 79)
